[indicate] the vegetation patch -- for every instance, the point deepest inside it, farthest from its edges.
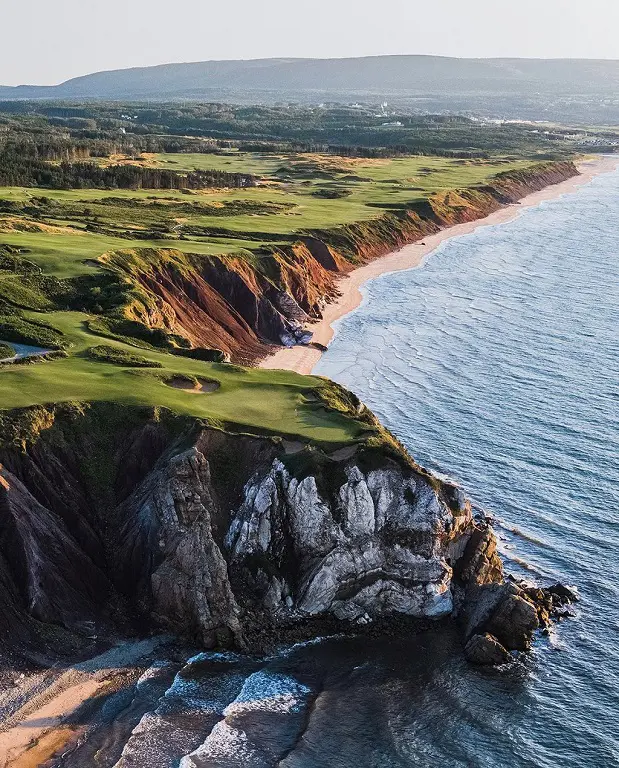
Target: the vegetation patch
(201, 353)
(335, 398)
(135, 333)
(6, 351)
(18, 329)
(331, 194)
(116, 356)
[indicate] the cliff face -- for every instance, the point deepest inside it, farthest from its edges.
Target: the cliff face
(223, 537)
(242, 306)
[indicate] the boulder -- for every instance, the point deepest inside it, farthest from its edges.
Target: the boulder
(514, 623)
(486, 650)
(561, 595)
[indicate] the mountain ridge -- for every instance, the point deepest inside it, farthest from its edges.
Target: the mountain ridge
(415, 74)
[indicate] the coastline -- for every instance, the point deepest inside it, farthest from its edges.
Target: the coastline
(303, 359)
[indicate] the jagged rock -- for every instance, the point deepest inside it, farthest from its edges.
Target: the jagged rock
(481, 563)
(216, 537)
(287, 340)
(480, 605)
(348, 560)
(43, 566)
(187, 584)
(562, 594)
(504, 610)
(486, 650)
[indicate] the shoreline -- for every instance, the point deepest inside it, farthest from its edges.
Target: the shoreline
(303, 359)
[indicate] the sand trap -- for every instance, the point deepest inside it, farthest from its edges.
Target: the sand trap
(24, 350)
(293, 446)
(9, 224)
(343, 454)
(199, 387)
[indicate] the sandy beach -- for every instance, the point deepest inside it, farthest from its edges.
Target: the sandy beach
(302, 359)
(38, 728)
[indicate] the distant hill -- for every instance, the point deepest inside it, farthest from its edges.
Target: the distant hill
(575, 89)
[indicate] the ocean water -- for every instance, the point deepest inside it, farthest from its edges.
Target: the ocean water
(497, 364)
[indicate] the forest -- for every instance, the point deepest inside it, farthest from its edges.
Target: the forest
(78, 131)
(39, 162)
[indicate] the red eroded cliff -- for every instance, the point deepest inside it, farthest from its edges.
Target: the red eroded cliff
(243, 305)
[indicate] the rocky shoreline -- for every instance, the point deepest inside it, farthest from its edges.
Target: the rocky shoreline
(287, 545)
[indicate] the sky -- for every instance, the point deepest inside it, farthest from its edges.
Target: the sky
(48, 41)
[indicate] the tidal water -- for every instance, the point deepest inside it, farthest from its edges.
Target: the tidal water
(496, 363)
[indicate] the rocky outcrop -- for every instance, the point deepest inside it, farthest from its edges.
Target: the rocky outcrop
(377, 543)
(486, 650)
(213, 535)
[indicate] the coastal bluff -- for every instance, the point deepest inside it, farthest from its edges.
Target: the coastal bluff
(231, 540)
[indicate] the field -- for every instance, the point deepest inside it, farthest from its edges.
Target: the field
(66, 232)
(262, 402)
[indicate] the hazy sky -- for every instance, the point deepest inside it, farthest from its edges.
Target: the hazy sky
(48, 41)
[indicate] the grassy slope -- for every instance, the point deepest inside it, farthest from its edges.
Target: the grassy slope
(255, 400)
(264, 402)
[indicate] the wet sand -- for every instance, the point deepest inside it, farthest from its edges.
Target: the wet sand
(302, 359)
(37, 729)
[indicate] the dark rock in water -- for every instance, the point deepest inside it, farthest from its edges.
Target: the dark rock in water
(503, 610)
(486, 650)
(480, 605)
(514, 623)
(509, 611)
(561, 594)
(317, 345)
(481, 563)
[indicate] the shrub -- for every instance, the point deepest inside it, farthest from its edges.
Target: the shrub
(105, 354)
(6, 351)
(17, 328)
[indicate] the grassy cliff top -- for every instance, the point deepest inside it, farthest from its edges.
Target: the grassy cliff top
(251, 399)
(64, 231)
(61, 239)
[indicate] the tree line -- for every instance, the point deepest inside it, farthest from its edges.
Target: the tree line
(19, 170)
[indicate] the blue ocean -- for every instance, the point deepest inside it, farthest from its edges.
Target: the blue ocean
(497, 363)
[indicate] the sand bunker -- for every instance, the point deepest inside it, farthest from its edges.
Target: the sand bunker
(9, 224)
(197, 386)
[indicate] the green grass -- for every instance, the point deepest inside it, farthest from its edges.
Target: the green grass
(253, 400)
(230, 162)
(384, 183)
